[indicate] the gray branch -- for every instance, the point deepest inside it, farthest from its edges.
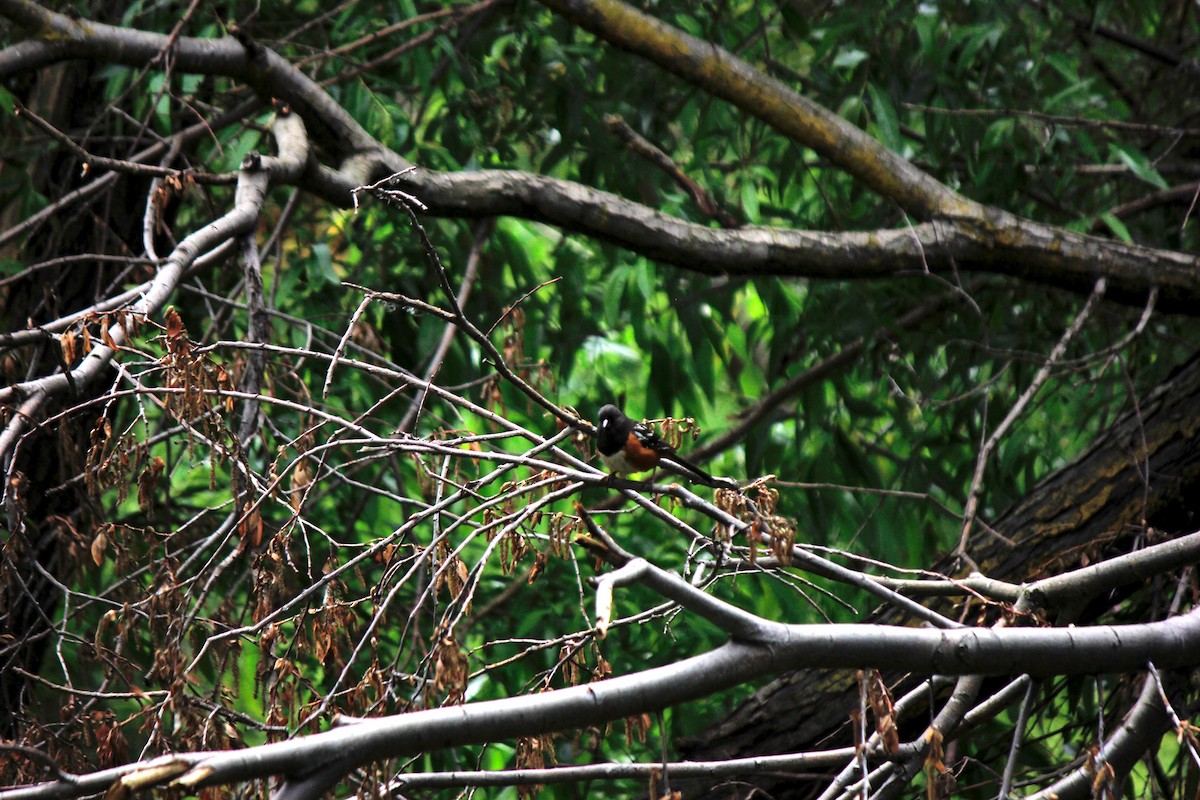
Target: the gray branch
(253, 183)
(1037, 651)
(962, 236)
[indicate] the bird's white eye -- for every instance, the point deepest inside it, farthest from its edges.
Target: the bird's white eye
(604, 423)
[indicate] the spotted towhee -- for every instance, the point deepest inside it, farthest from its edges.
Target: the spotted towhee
(628, 446)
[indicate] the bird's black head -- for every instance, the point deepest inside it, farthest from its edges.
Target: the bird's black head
(613, 430)
(609, 414)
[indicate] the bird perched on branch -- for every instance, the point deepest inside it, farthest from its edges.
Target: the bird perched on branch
(627, 446)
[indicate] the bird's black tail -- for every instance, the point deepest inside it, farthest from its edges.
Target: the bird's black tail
(690, 470)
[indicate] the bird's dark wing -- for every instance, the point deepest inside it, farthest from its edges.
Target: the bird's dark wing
(655, 442)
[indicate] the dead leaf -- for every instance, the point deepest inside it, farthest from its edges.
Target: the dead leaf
(67, 342)
(99, 545)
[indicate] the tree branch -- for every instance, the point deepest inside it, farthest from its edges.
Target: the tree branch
(1037, 651)
(964, 235)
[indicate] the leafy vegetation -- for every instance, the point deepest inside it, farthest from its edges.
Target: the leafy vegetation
(251, 556)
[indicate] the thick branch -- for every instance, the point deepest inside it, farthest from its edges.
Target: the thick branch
(1037, 651)
(61, 36)
(724, 75)
(253, 183)
(965, 236)
(998, 244)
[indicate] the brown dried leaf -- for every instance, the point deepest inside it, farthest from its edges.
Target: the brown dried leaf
(323, 643)
(384, 554)
(450, 673)
(250, 528)
(529, 753)
(99, 641)
(456, 578)
(365, 335)
(111, 747)
(302, 477)
(880, 702)
(99, 545)
(539, 566)
(938, 779)
(532, 752)
(175, 328)
(461, 575)
(1105, 778)
(67, 342)
(105, 336)
(567, 656)
(225, 384)
(637, 725)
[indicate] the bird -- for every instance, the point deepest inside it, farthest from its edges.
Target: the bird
(627, 446)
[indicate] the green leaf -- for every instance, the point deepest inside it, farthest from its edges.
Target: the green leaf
(1139, 165)
(320, 268)
(750, 203)
(1118, 227)
(886, 122)
(983, 40)
(849, 58)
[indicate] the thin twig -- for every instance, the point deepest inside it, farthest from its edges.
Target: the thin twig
(1043, 374)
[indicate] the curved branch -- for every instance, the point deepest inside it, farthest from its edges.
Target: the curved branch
(996, 242)
(268, 73)
(253, 182)
(1037, 651)
(724, 75)
(964, 235)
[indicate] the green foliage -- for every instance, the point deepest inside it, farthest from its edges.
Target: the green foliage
(875, 457)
